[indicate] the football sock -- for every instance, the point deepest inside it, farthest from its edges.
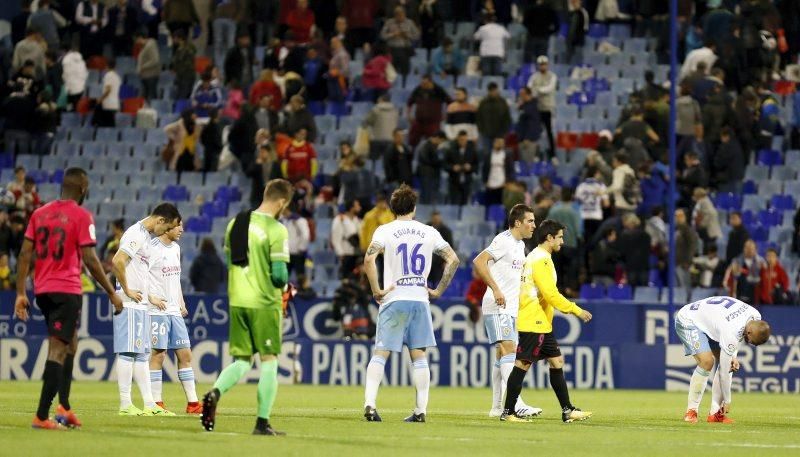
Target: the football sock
(716, 390)
(50, 378)
(422, 383)
(231, 375)
(560, 387)
(267, 388)
(374, 378)
(156, 384)
(125, 378)
(497, 388)
(141, 375)
(186, 377)
(66, 382)
(506, 367)
(514, 387)
(696, 387)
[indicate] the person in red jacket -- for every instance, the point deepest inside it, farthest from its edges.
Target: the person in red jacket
(266, 86)
(376, 76)
(300, 159)
(360, 15)
(301, 22)
(774, 280)
(474, 296)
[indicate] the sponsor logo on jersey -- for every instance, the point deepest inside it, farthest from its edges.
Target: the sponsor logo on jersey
(412, 281)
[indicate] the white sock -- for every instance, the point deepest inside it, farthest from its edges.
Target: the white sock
(141, 374)
(374, 377)
(696, 387)
(716, 391)
(497, 387)
(422, 382)
(156, 384)
(186, 377)
(506, 367)
(124, 379)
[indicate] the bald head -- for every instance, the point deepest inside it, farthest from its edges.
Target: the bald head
(756, 332)
(75, 185)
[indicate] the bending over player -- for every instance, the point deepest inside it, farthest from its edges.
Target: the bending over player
(404, 317)
(168, 329)
(501, 300)
(711, 330)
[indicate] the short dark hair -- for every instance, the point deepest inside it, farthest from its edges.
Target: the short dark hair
(403, 200)
(439, 134)
(29, 180)
(278, 188)
(18, 169)
(566, 194)
(548, 227)
(517, 213)
(462, 133)
(492, 86)
(591, 170)
(168, 211)
(207, 246)
(118, 223)
(621, 156)
(348, 205)
(462, 89)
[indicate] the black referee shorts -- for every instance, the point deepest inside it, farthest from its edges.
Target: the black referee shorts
(62, 313)
(533, 347)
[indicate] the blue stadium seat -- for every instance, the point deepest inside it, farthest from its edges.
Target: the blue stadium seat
(497, 214)
(482, 229)
(191, 179)
(783, 173)
(198, 224)
(94, 150)
(181, 105)
(753, 203)
(700, 293)
(161, 106)
(769, 157)
(592, 292)
(156, 136)
(620, 292)
(770, 217)
(782, 202)
(424, 213)
(107, 135)
(30, 162)
(214, 209)
(228, 194)
(110, 209)
(646, 295)
(137, 209)
(51, 163)
(176, 193)
(325, 122)
(324, 258)
(449, 212)
(473, 213)
(680, 296)
(133, 134)
(150, 194)
(104, 164)
(123, 120)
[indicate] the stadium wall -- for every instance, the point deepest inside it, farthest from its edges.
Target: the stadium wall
(628, 346)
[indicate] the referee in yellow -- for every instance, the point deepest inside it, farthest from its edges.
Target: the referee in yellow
(538, 297)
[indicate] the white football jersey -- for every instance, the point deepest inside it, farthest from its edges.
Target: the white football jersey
(165, 276)
(721, 318)
(591, 194)
(408, 250)
(508, 257)
(136, 243)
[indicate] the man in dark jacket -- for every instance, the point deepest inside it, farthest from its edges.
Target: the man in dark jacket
(541, 21)
(685, 248)
(728, 169)
(737, 236)
(239, 61)
(427, 99)
(297, 116)
(398, 161)
(429, 167)
(693, 176)
(461, 161)
(635, 248)
(578, 24)
(493, 118)
(603, 258)
(123, 22)
(437, 266)
(207, 271)
(529, 125)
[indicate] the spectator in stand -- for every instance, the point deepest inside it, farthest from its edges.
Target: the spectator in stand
(547, 189)
(743, 276)
(355, 182)
(592, 195)
(460, 161)
(148, 65)
(448, 60)
(636, 127)
(239, 60)
(211, 139)
(17, 222)
(350, 305)
(493, 117)
(19, 23)
(112, 242)
(300, 159)
(710, 268)
(263, 169)
(207, 272)
(498, 169)
(685, 248)
(437, 266)
(32, 49)
(529, 126)
(5, 231)
(226, 15)
(343, 34)
(206, 97)
(689, 120)
(297, 116)
(400, 33)
(693, 176)
(183, 65)
(108, 103)
(461, 115)
(338, 71)
(492, 37)
(299, 239)
(541, 21)
(379, 215)
(411, 7)
(705, 217)
(603, 259)
(74, 75)
(398, 162)
(774, 286)
(47, 21)
(705, 87)
(656, 227)
(360, 16)
(706, 54)
(46, 123)
(91, 18)
(18, 184)
(729, 163)
(651, 91)
(543, 85)
(184, 134)
(737, 237)
(474, 296)
(566, 260)
(301, 22)
(265, 117)
(431, 23)
(314, 70)
(28, 200)
(266, 86)
(344, 237)
(379, 72)
(123, 21)
(7, 277)
(180, 15)
(515, 193)
(429, 168)
(24, 89)
(427, 100)
(381, 122)
(595, 159)
(577, 26)
(235, 103)
(634, 245)
(717, 113)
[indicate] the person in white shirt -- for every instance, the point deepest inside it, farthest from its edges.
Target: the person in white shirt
(592, 194)
(299, 239)
(497, 170)
(543, 85)
(109, 100)
(404, 317)
(621, 170)
(344, 237)
(492, 37)
(74, 75)
(711, 330)
(500, 267)
(705, 54)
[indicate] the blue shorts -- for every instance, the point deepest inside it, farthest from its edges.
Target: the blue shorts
(404, 322)
(694, 340)
(500, 327)
(131, 331)
(168, 332)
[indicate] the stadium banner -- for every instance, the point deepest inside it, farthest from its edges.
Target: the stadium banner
(625, 346)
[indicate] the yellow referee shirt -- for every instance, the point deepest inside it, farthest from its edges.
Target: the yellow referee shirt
(539, 294)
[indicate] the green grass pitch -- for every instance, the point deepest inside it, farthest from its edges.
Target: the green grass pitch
(327, 420)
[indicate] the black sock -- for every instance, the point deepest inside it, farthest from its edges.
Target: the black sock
(66, 382)
(514, 387)
(51, 379)
(560, 387)
(261, 423)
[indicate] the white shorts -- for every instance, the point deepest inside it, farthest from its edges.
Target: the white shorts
(500, 327)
